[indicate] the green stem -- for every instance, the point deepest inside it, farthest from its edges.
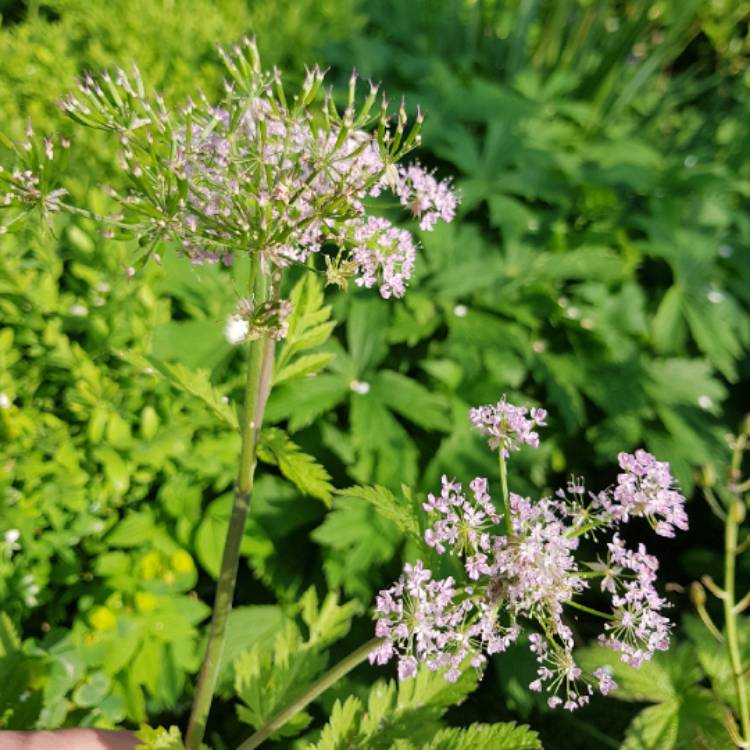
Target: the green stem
(730, 616)
(506, 496)
(257, 387)
(590, 610)
(332, 676)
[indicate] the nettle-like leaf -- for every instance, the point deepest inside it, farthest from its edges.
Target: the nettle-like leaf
(684, 714)
(407, 715)
(309, 328)
(300, 468)
(266, 679)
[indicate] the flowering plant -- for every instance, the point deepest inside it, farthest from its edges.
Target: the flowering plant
(522, 570)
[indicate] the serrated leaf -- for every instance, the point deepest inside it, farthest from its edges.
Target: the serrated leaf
(341, 731)
(197, 383)
(485, 737)
(160, 739)
(246, 627)
(682, 381)
(401, 513)
(309, 327)
(300, 468)
(407, 713)
(327, 622)
(9, 640)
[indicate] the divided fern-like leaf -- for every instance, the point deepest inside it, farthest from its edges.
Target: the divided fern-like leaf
(277, 448)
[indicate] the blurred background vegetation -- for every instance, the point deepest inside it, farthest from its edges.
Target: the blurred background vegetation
(600, 267)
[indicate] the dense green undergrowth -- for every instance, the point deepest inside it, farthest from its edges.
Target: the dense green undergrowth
(600, 268)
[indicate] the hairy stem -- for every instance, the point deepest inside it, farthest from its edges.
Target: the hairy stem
(332, 676)
(730, 615)
(257, 387)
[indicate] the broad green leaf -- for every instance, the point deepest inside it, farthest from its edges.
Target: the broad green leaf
(366, 331)
(413, 401)
(682, 381)
(357, 541)
(303, 402)
(298, 467)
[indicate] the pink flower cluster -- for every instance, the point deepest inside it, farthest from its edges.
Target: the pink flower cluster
(254, 173)
(531, 575)
(425, 197)
(646, 488)
(507, 426)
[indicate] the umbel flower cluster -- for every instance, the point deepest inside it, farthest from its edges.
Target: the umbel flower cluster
(521, 571)
(285, 179)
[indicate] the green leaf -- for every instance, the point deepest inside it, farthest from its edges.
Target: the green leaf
(197, 383)
(682, 381)
(485, 737)
(298, 467)
(413, 401)
(160, 739)
(366, 329)
(266, 680)
(309, 327)
(301, 403)
(407, 712)
(93, 690)
(9, 640)
(340, 733)
(402, 513)
(328, 622)
(246, 627)
(668, 327)
(685, 715)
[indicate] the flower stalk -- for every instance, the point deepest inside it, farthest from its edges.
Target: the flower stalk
(257, 388)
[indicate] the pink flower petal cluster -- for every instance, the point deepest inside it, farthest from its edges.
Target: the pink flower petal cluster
(507, 426)
(530, 574)
(426, 197)
(638, 628)
(646, 488)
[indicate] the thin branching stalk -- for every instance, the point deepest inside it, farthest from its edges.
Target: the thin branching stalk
(257, 388)
(332, 676)
(730, 616)
(734, 518)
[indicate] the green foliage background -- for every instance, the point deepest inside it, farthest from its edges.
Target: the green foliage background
(600, 267)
